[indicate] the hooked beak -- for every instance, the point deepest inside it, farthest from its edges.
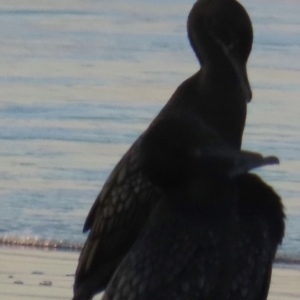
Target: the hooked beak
(240, 69)
(241, 73)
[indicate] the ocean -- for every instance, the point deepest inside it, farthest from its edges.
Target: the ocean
(81, 80)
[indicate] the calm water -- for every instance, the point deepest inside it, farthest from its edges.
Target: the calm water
(80, 80)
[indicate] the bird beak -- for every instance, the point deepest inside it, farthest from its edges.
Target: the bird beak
(241, 73)
(240, 69)
(245, 85)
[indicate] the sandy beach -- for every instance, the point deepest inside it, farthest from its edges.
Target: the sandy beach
(27, 273)
(36, 274)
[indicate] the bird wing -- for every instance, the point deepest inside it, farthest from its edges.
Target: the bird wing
(262, 229)
(255, 253)
(114, 193)
(115, 218)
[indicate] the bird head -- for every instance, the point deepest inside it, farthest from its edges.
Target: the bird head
(221, 34)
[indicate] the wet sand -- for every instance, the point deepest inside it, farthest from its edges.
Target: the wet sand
(27, 273)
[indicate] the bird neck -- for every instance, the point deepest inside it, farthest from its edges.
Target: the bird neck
(222, 105)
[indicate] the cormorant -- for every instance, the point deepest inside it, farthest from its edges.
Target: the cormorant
(215, 98)
(212, 236)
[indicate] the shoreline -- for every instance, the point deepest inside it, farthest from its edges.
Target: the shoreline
(68, 246)
(43, 273)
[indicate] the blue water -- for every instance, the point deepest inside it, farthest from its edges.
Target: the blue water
(80, 82)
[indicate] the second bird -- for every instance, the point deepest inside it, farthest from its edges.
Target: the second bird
(212, 236)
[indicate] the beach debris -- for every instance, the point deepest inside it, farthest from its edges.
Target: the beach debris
(18, 282)
(46, 283)
(10, 276)
(70, 275)
(37, 273)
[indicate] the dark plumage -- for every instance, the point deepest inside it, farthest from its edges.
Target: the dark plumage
(209, 237)
(214, 100)
(185, 247)
(261, 230)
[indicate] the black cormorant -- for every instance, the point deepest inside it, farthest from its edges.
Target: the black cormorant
(215, 98)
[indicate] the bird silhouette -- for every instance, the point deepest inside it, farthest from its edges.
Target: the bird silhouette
(214, 100)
